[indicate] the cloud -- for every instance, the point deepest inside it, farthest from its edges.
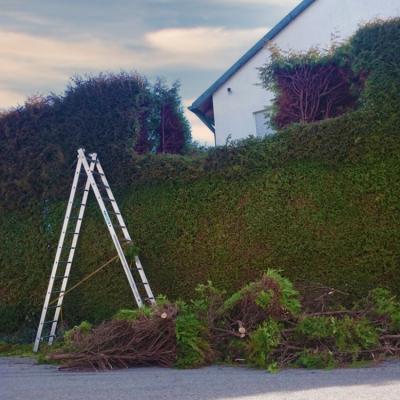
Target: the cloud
(42, 58)
(24, 17)
(199, 47)
(206, 47)
(10, 98)
(32, 63)
(24, 56)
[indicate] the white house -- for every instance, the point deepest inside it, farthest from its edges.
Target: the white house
(234, 105)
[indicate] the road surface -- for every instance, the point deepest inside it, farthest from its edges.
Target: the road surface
(22, 379)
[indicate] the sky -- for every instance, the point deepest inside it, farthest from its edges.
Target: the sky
(45, 42)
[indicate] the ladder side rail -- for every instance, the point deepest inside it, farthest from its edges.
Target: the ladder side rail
(113, 202)
(71, 253)
(145, 282)
(58, 254)
(125, 231)
(111, 229)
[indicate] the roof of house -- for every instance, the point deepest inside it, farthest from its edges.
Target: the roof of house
(202, 107)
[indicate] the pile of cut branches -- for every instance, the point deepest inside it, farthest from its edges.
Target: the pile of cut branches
(266, 324)
(263, 324)
(148, 340)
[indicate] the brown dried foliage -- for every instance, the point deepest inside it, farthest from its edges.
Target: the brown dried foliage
(309, 93)
(247, 312)
(122, 344)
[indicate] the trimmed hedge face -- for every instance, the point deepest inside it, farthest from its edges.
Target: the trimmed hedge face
(334, 224)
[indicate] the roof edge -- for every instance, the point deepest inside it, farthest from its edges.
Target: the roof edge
(203, 118)
(195, 107)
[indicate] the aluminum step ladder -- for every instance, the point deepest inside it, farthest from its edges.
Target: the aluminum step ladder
(97, 181)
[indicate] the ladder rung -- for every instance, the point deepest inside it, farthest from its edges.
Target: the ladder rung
(108, 199)
(53, 307)
(64, 261)
(58, 291)
(98, 173)
(47, 336)
(83, 171)
(60, 276)
(103, 193)
(114, 213)
(49, 322)
(78, 206)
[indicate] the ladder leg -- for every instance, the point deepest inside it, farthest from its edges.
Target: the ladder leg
(145, 282)
(71, 255)
(111, 229)
(113, 201)
(127, 236)
(57, 257)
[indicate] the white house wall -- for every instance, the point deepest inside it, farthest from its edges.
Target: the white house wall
(234, 110)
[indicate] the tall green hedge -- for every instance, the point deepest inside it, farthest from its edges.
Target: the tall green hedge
(321, 221)
(320, 201)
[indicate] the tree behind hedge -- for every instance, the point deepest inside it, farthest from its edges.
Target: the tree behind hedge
(111, 114)
(309, 86)
(167, 129)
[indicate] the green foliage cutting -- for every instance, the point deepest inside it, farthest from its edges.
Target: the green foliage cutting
(263, 341)
(386, 305)
(193, 350)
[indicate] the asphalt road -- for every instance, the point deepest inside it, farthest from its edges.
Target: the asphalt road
(22, 379)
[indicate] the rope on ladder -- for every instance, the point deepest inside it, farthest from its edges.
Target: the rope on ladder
(87, 277)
